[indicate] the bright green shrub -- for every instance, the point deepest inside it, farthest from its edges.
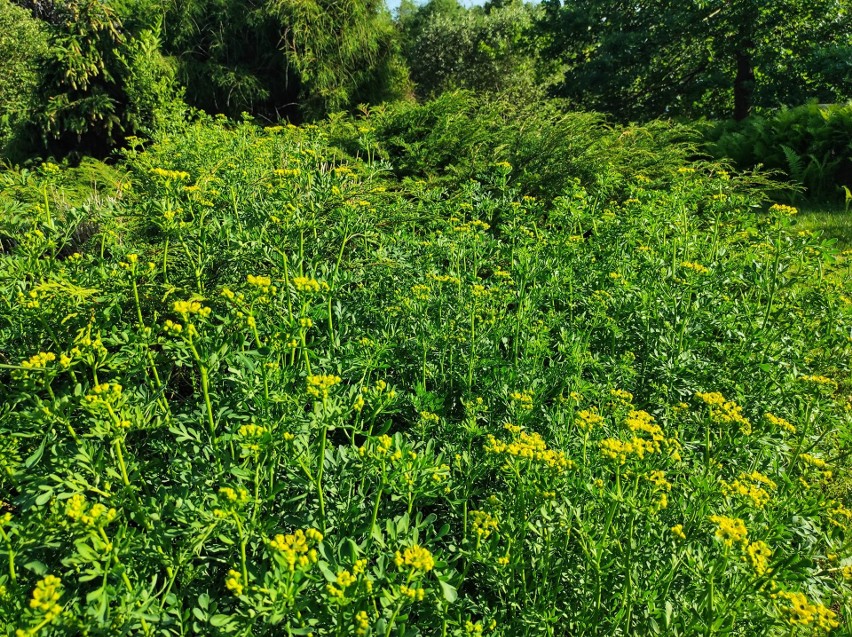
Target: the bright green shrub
(810, 145)
(473, 49)
(23, 47)
(461, 136)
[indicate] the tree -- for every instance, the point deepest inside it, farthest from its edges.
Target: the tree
(284, 57)
(647, 58)
(482, 49)
(98, 81)
(23, 48)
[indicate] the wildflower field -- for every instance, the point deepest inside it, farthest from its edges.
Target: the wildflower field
(302, 381)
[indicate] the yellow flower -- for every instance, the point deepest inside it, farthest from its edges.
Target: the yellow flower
(784, 210)
(677, 530)
(780, 423)
(758, 554)
(362, 622)
(729, 530)
(234, 582)
(523, 399)
(818, 380)
(320, 384)
(529, 446)
(39, 361)
(185, 308)
(416, 558)
(800, 612)
(483, 523)
(46, 595)
(695, 267)
(725, 411)
(297, 549)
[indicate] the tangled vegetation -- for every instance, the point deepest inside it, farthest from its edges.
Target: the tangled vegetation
(276, 382)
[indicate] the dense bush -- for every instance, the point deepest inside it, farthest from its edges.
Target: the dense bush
(487, 51)
(98, 82)
(460, 136)
(285, 59)
(810, 145)
(270, 391)
(23, 47)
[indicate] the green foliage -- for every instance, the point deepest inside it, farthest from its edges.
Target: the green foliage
(810, 145)
(100, 82)
(276, 391)
(281, 59)
(23, 46)
(453, 48)
(704, 57)
(460, 136)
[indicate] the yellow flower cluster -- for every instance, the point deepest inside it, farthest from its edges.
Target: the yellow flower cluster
(251, 435)
(750, 486)
(587, 419)
(104, 393)
(780, 423)
(297, 549)
(638, 420)
(658, 479)
(677, 530)
(784, 210)
(695, 267)
(344, 580)
(619, 450)
(362, 622)
(97, 515)
(523, 399)
(444, 278)
(428, 418)
(729, 530)
(416, 558)
(725, 411)
(530, 446)
(758, 555)
(172, 326)
(818, 380)
(412, 593)
(801, 612)
(46, 595)
(624, 396)
(259, 281)
(483, 523)
(308, 285)
(420, 292)
(185, 308)
(177, 175)
(814, 461)
(472, 226)
(238, 496)
(38, 361)
(234, 582)
(320, 384)
(288, 172)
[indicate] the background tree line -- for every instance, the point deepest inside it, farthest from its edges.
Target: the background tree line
(82, 75)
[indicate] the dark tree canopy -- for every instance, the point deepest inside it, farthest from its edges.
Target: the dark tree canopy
(646, 58)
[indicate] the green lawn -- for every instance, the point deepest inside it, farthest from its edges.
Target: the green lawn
(833, 221)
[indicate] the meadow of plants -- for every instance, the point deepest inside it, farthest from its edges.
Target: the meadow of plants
(352, 379)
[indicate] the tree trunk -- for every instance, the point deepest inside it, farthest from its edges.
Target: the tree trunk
(743, 84)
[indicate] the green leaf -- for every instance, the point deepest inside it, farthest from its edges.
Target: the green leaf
(449, 591)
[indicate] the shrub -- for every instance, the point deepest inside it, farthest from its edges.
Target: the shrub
(810, 145)
(23, 48)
